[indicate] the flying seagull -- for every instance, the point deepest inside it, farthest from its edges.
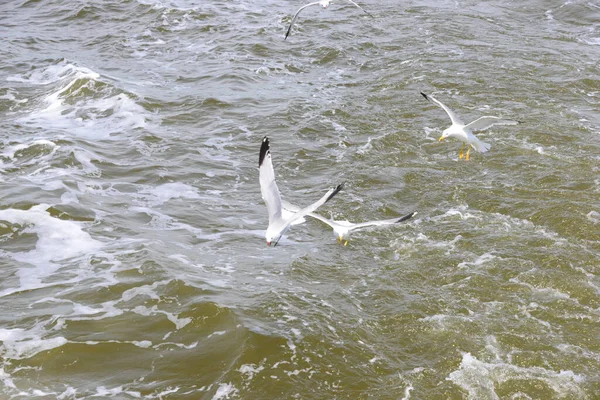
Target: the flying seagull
(322, 3)
(342, 229)
(278, 224)
(464, 133)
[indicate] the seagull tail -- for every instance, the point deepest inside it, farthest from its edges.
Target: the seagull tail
(481, 146)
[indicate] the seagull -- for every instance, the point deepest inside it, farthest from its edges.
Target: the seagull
(278, 223)
(464, 133)
(322, 3)
(342, 229)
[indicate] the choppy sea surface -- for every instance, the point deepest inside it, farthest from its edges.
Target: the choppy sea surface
(133, 262)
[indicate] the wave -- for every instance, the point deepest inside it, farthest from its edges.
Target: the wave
(79, 102)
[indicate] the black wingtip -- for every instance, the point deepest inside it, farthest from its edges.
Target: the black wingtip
(424, 95)
(288, 32)
(336, 191)
(277, 242)
(264, 150)
(406, 217)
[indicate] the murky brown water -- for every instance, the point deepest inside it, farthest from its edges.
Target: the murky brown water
(131, 221)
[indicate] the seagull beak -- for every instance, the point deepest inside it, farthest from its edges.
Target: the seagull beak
(441, 138)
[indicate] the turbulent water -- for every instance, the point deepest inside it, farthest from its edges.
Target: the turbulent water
(133, 261)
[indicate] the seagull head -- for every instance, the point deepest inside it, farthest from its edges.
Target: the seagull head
(454, 131)
(342, 233)
(445, 134)
(272, 237)
(324, 3)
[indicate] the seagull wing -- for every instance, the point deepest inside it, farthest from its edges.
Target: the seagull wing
(453, 117)
(484, 123)
(288, 210)
(291, 209)
(366, 12)
(268, 186)
(383, 222)
(329, 222)
(296, 16)
(313, 207)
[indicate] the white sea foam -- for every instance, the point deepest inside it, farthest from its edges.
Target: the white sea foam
(69, 393)
(161, 394)
(161, 194)
(479, 379)
(180, 345)
(85, 158)
(594, 41)
(429, 132)
(145, 290)
(593, 216)
(224, 391)
(178, 322)
(6, 379)
(144, 344)
(218, 283)
(20, 343)
(165, 222)
(250, 370)
(525, 310)
(170, 4)
(591, 37)
(78, 309)
(58, 241)
(407, 391)
(102, 391)
(91, 118)
(11, 97)
(481, 260)
(69, 197)
(542, 293)
(51, 74)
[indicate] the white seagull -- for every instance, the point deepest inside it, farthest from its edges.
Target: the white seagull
(322, 3)
(464, 133)
(342, 229)
(279, 224)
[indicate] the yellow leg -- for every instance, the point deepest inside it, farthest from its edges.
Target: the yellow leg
(460, 153)
(346, 243)
(468, 156)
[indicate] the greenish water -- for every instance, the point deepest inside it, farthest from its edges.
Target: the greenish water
(132, 252)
